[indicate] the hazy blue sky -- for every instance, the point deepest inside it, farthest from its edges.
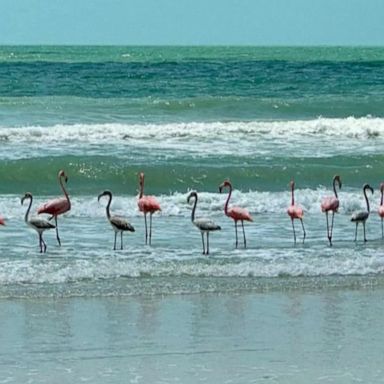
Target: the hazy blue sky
(251, 22)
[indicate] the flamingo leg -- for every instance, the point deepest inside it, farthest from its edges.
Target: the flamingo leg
(57, 232)
(236, 233)
(146, 229)
(245, 241)
(382, 229)
(202, 238)
(356, 231)
(150, 228)
(294, 233)
(114, 244)
(121, 240)
(304, 234)
(365, 238)
(333, 217)
(40, 243)
(326, 215)
(207, 253)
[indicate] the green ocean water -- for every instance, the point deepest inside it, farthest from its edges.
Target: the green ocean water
(190, 117)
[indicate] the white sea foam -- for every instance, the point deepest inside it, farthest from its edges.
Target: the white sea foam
(254, 138)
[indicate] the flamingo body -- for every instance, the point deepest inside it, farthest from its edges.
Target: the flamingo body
(295, 212)
(2, 221)
(203, 224)
(147, 204)
(59, 205)
(235, 213)
(330, 203)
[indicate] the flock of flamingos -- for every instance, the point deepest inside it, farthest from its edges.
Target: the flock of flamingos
(149, 205)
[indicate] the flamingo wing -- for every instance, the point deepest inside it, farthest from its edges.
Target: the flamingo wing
(295, 212)
(360, 216)
(55, 207)
(330, 204)
(237, 213)
(205, 224)
(40, 224)
(121, 224)
(148, 204)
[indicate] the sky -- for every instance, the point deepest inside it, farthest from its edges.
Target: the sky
(192, 22)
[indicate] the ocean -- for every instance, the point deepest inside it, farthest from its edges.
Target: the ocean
(189, 118)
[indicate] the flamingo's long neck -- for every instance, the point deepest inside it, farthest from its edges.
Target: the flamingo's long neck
(194, 208)
(366, 199)
(334, 188)
(28, 209)
(141, 187)
(382, 193)
(109, 205)
(293, 195)
(228, 198)
(64, 190)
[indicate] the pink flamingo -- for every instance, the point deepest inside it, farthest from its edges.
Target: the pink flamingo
(147, 204)
(2, 221)
(295, 212)
(57, 206)
(381, 209)
(235, 213)
(331, 203)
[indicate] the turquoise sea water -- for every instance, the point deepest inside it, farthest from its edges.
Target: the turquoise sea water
(189, 117)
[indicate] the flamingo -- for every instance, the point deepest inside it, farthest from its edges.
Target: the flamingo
(362, 216)
(147, 204)
(331, 203)
(235, 213)
(57, 206)
(39, 225)
(204, 224)
(119, 224)
(381, 209)
(2, 221)
(295, 212)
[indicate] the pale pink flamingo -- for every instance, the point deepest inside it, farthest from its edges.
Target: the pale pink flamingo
(362, 216)
(39, 225)
(118, 223)
(235, 213)
(381, 209)
(331, 203)
(57, 206)
(295, 212)
(147, 204)
(2, 221)
(205, 225)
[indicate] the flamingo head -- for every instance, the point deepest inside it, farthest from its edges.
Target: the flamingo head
(191, 195)
(28, 195)
(337, 179)
(225, 183)
(63, 174)
(382, 187)
(105, 193)
(367, 186)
